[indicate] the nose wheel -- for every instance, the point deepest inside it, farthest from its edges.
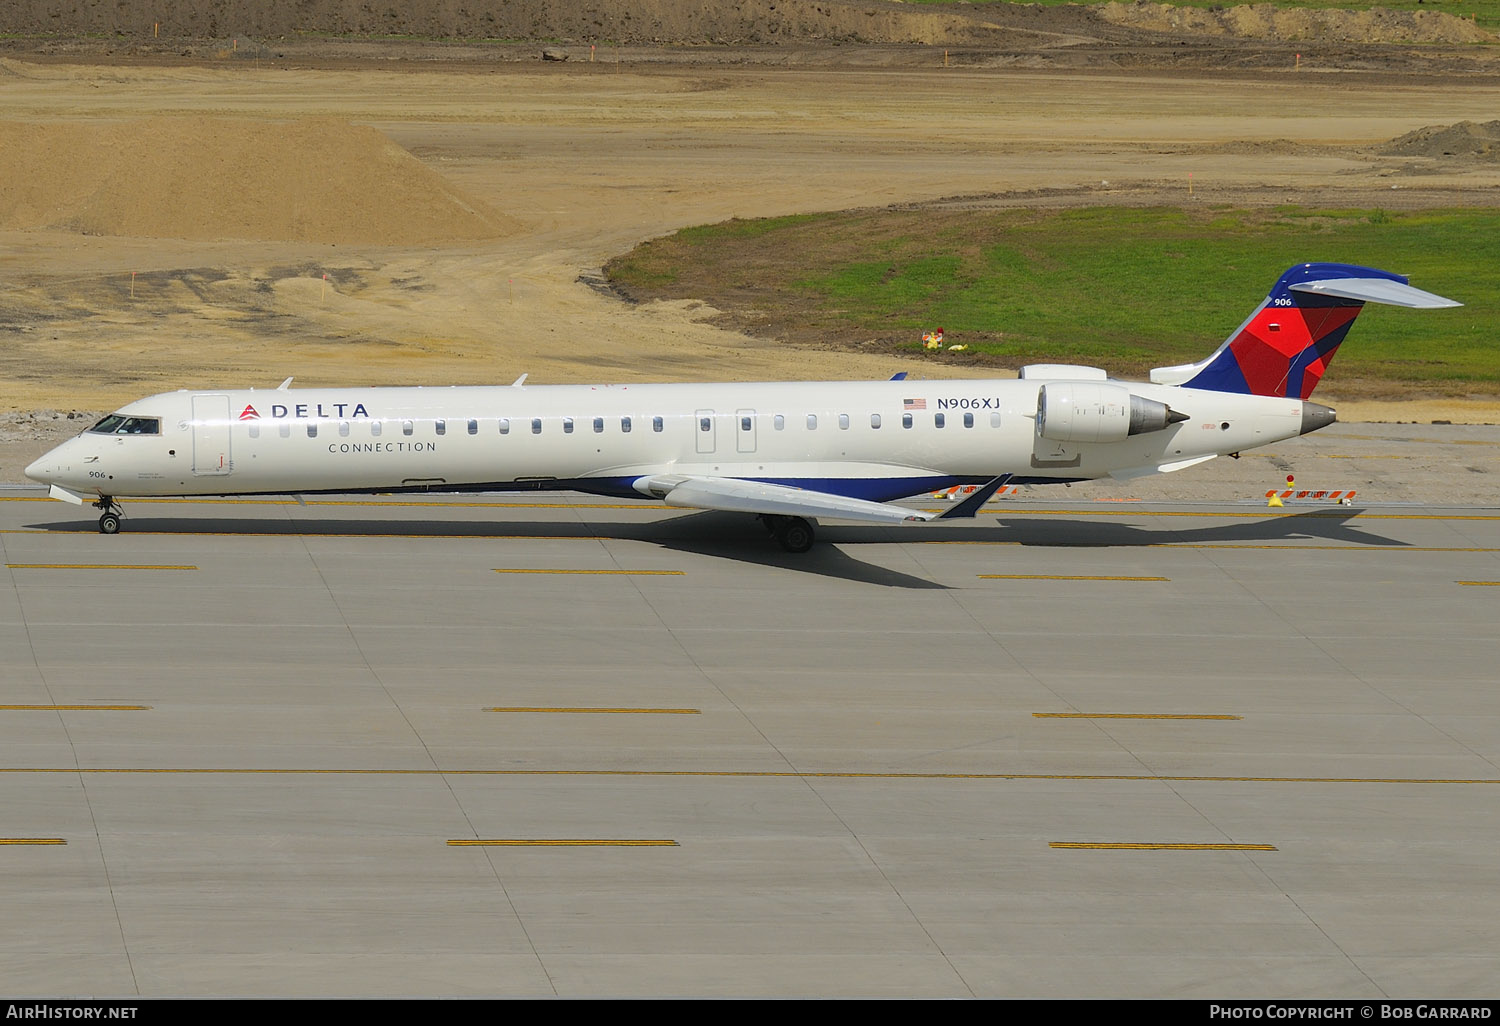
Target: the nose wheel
(109, 520)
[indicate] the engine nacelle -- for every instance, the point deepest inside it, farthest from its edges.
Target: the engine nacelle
(1087, 411)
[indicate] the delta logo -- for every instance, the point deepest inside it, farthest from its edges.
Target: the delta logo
(307, 410)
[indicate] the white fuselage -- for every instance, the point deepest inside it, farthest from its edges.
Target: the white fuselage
(872, 440)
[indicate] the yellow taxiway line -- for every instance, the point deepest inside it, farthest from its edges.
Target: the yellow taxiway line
(589, 709)
(1133, 716)
(1064, 577)
(1155, 846)
(86, 708)
(97, 566)
(1178, 778)
(579, 842)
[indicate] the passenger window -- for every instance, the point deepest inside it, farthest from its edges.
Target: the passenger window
(968, 420)
(473, 427)
(312, 431)
(744, 423)
(536, 425)
(843, 422)
(779, 422)
(995, 419)
(906, 420)
(285, 430)
(567, 425)
(254, 430)
(441, 425)
(625, 425)
(656, 424)
(705, 424)
(343, 429)
(505, 425)
(598, 425)
(812, 422)
(374, 429)
(875, 420)
(938, 420)
(407, 427)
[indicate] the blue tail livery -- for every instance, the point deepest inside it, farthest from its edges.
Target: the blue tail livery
(1286, 344)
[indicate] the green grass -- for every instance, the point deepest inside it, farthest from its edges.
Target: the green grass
(1123, 288)
(1486, 13)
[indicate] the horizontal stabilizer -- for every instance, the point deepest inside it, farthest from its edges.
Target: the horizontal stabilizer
(1286, 344)
(1376, 290)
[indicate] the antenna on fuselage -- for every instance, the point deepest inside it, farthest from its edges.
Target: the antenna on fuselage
(285, 384)
(517, 383)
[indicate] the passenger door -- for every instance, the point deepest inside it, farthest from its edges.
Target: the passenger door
(211, 456)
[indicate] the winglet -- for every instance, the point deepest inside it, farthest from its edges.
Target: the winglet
(285, 385)
(517, 383)
(899, 376)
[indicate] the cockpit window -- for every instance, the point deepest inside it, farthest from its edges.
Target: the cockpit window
(108, 424)
(115, 424)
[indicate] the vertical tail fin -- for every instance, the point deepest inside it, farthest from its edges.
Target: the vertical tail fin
(1286, 344)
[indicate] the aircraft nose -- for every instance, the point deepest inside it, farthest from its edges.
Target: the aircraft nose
(41, 470)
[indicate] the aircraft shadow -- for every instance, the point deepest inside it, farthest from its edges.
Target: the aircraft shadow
(730, 536)
(1331, 525)
(738, 537)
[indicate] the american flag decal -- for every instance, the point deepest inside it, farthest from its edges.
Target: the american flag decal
(914, 404)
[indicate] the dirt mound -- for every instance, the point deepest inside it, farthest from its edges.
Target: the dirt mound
(1472, 139)
(1267, 21)
(619, 21)
(206, 178)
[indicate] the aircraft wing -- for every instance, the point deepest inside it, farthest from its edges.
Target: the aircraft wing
(740, 496)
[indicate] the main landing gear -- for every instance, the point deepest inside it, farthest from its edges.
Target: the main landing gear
(795, 534)
(109, 521)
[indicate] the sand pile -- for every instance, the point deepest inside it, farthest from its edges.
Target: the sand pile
(224, 178)
(1266, 21)
(1472, 139)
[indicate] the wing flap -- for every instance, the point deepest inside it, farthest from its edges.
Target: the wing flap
(738, 496)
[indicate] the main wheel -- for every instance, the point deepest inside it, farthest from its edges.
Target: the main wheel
(795, 534)
(109, 523)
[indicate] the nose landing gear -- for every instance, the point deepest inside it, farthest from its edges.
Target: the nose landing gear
(109, 521)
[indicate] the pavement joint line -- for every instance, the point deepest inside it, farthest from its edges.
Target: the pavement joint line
(1159, 846)
(589, 709)
(563, 842)
(737, 774)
